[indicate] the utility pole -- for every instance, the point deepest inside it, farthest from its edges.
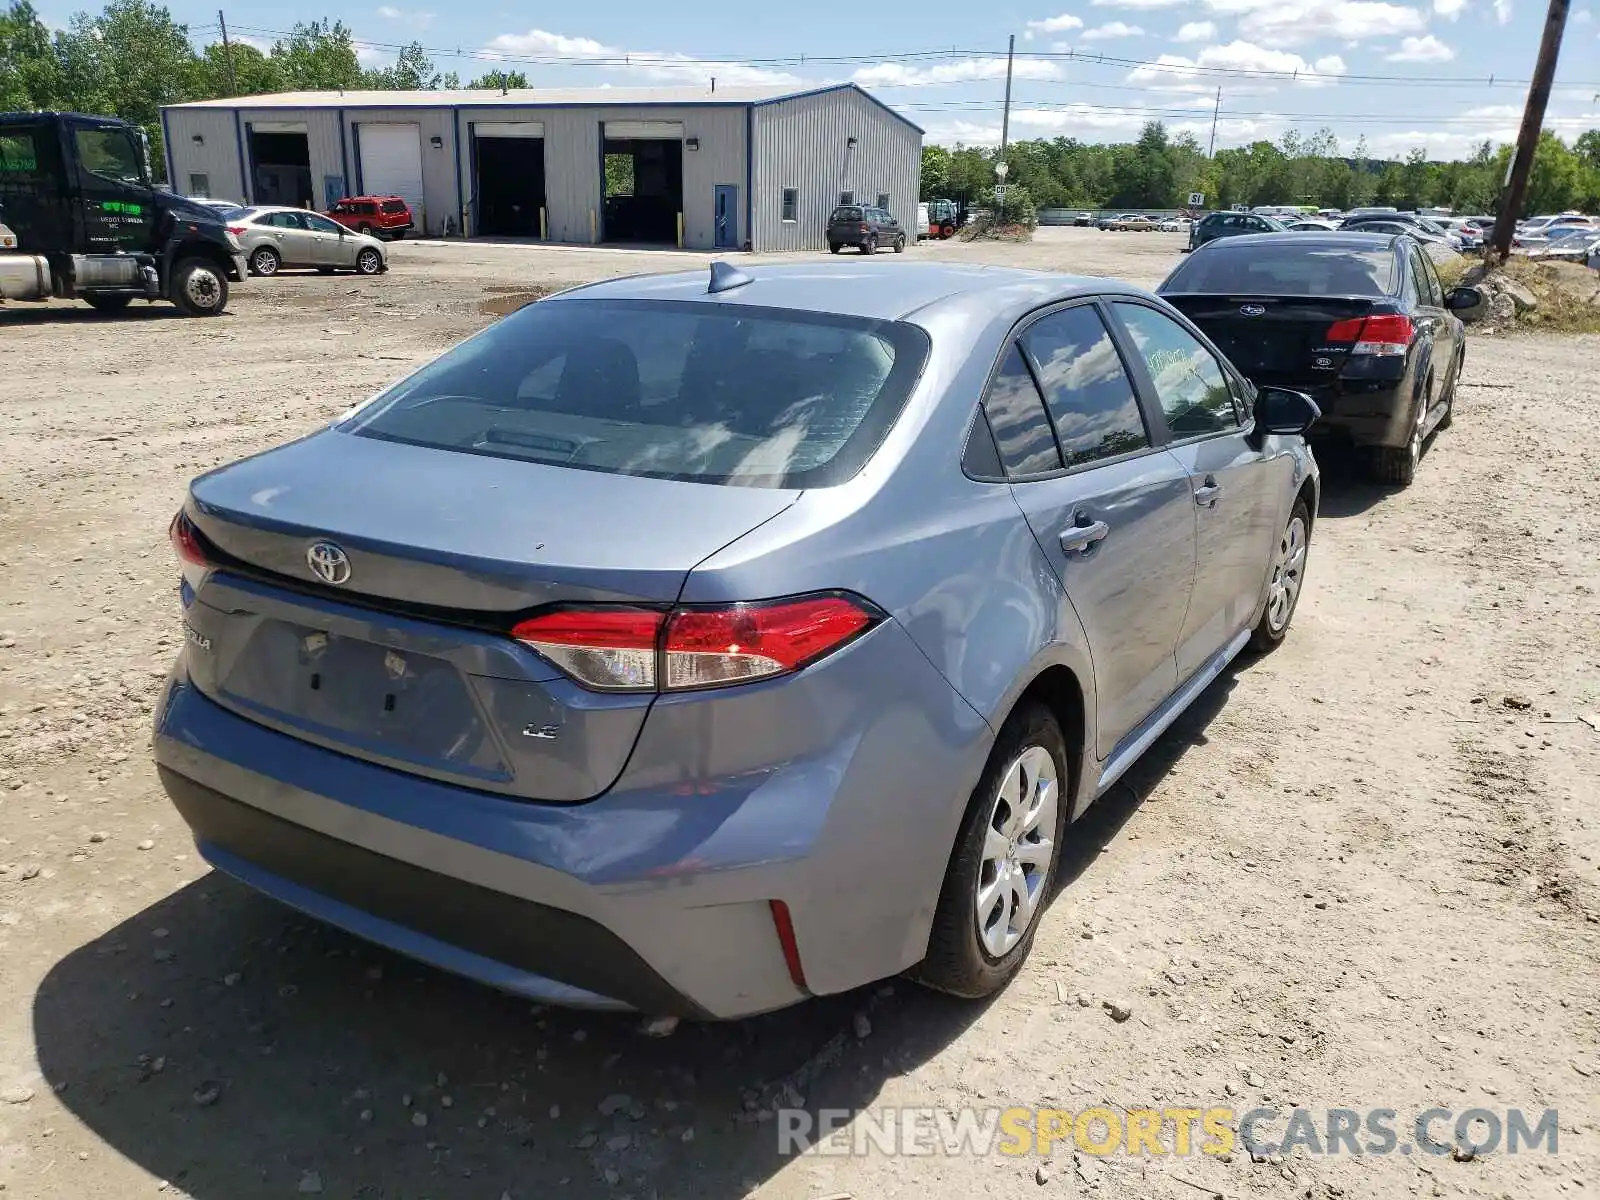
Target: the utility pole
(1544, 71)
(1211, 150)
(227, 54)
(1005, 115)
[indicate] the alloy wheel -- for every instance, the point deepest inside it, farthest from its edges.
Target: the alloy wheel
(1017, 850)
(1288, 572)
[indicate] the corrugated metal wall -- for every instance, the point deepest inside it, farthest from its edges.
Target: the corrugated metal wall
(438, 162)
(215, 155)
(572, 162)
(803, 143)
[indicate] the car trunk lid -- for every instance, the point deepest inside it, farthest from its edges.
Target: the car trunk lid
(1280, 340)
(399, 651)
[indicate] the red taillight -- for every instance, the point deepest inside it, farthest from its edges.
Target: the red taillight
(1388, 334)
(185, 540)
(628, 649)
(236, 230)
(613, 649)
(784, 924)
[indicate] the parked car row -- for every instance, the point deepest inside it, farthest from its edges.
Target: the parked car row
(871, 591)
(350, 237)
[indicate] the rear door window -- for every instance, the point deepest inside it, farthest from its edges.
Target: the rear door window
(1017, 416)
(1088, 393)
(1428, 282)
(394, 206)
(1188, 379)
(717, 394)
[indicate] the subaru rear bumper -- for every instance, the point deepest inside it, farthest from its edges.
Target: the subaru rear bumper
(656, 896)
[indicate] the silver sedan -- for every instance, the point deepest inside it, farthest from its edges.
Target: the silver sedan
(292, 237)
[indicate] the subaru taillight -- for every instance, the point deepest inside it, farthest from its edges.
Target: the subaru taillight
(236, 230)
(614, 648)
(1389, 334)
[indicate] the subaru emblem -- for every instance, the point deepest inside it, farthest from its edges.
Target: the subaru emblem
(1252, 310)
(328, 563)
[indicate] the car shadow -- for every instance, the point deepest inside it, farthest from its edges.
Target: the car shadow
(54, 314)
(236, 1049)
(1346, 490)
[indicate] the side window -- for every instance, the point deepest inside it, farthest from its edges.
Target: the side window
(1189, 382)
(847, 197)
(1090, 397)
(18, 154)
(200, 185)
(1416, 291)
(110, 154)
(791, 204)
(883, 201)
(1427, 281)
(1017, 417)
(320, 224)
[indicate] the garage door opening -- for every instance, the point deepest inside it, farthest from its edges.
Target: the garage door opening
(643, 177)
(508, 165)
(280, 167)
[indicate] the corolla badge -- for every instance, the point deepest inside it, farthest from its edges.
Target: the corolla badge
(328, 563)
(1252, 310)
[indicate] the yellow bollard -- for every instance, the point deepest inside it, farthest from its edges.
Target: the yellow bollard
(544, 230)
(593, 235)
(680, 231)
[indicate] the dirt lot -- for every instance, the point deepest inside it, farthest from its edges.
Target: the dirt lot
(1363, 872)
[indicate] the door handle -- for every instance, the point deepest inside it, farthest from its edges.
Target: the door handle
(1081, 539)
(1207, 493)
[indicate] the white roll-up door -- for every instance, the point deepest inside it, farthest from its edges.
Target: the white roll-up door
(391, 164)
(508, 129)
(625, 130)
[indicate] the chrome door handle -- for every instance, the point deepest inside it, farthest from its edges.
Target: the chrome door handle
(1081, 539)
(1207, 493)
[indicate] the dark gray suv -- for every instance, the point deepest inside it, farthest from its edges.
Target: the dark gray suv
(865, 227)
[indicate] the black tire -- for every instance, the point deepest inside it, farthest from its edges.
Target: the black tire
(108, 304)
(1274, 624)
(1397, 465)
(398, 235)
(265, 261)
(199, 288)
(369, 262)
(834, 247)
(900, 245)
(364, 228)
(870, 246)
(324, 270)
(957, 962)
(1449, 417)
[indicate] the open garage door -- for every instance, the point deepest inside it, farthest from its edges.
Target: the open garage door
(642, 181)
(391, 164)
(280, 164)
(508, 178)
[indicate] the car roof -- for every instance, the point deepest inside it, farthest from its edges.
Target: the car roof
(1334, 239)
(347, 198)
(880, 291)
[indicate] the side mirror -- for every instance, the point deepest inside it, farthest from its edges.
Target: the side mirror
(1464, 301)
(1284, 411)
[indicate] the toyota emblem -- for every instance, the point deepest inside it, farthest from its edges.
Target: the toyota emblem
(328, 563)
(1252, 310)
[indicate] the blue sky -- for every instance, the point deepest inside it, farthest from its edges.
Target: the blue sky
(942, 62)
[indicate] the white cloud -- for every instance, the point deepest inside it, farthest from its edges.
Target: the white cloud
(1058, 24)
(1450, 10)
(1294, 22)
(961, 70)
(1137, 3)
(645, 64)
(1582, 17)
(1197, 31)
(1427, 49)
(1112, 29)
(411, 18)
(369, 56)
(1502, 11)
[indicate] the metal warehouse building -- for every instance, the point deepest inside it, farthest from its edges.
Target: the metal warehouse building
(718, 168)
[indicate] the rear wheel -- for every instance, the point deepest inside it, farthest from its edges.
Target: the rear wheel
(870, 246)
(108, 304)
(1288, 573)
(900, 244)
(1004, 862)
(369, 262)
(1398, 464)
(364, 228)
(834, 247)
(264, 260)
(199, 288)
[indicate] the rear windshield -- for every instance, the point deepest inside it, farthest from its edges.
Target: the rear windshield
(394, 206)
(1287, 268)
(712, 393)
(848, 212)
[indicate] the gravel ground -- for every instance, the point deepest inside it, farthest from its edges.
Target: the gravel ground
(1362, 872)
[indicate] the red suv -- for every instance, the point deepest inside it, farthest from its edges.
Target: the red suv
(381, 216)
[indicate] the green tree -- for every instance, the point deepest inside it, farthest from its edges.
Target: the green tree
(29, 75)
(256, 73)
(318, 56)
(413, 71)
(935, 172)
(501, 81)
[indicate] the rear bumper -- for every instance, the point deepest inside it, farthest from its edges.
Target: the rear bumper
(1362, 416)
(655, 896)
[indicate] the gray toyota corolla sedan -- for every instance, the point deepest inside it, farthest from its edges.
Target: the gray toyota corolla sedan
(698, 645)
